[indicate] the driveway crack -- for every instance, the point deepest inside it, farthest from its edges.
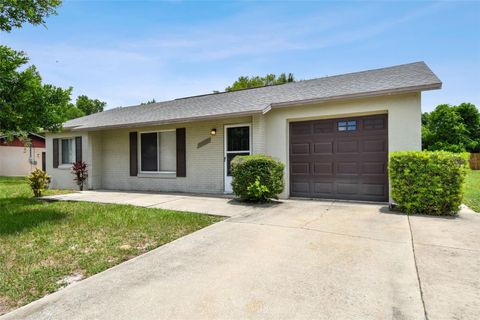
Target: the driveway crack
(416, 269)
(321, 215)
(315, 230)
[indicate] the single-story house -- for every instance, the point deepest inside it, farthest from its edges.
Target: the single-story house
(333, 134)
(18, 158)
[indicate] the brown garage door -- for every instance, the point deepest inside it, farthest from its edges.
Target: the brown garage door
(343, 158)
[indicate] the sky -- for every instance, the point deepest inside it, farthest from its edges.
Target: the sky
(127, 52)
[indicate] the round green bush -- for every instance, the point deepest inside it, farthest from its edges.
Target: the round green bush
(257, 178)
(425, 182)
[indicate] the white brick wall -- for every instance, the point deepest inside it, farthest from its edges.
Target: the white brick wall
(62, 178)
(109, 160)
(259, 131)
(94, 155)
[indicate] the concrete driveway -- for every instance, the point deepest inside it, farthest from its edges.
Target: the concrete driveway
(292, 260)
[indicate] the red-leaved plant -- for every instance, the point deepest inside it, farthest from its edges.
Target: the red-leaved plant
(79, 169)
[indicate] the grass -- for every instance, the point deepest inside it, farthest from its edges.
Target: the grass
(41, 243)
(472, 190)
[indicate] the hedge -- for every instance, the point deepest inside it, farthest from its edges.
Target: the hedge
(425, 182)
(257, 177)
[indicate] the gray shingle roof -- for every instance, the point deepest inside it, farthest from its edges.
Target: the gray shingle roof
(411, 77)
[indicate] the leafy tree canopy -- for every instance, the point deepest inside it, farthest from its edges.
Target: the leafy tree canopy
(29, 106)
(13, 13)
(452, 128)
(26, 104)
(244, 82)
(89, 106)
(149, 102)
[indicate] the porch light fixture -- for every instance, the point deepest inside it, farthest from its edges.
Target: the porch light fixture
(213, 131)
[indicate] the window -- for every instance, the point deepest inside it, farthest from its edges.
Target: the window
(347, 125)
(68, 151)
(158, 151)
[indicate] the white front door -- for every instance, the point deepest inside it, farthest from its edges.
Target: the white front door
(237, 142)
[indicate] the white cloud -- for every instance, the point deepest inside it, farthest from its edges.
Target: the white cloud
(128, 71)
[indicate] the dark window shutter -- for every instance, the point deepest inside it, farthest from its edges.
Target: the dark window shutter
(78, 149)
(181, 153)
(133, 154)
(44, 161)
(55, 153)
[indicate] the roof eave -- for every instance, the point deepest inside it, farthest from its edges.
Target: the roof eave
(165, 122)
(370, 94)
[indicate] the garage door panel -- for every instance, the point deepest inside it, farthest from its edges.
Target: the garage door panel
(322, 127)
(301, 128)
(323, 147)
(300, 148)
(373, 189)
(301, 187)
(349, 168)
(300, 168)
(374, 168)
(347, 188)
(375, 123)
(324, 188)
(343, 163)
(377, 145)
(347, 146)
(323, 168)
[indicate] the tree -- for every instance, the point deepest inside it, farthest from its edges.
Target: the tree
(26, 104)
(471, 118)
(452, 128)
(72, 112)
(244, 82)
(148, 102)
(89, 106)
(13, 13)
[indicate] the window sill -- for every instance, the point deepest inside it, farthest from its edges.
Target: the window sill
(162, 175)
(64, 166)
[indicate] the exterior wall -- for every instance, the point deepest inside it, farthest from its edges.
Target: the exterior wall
(94, 157)
(62, 178)
(15, 160)
(108, 159)
(107, 152)
(404, 123)
(258, 134)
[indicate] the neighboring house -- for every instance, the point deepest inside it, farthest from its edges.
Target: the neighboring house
(333, 134)
(16, 159)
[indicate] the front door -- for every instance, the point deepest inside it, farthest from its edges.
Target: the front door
(237, 143)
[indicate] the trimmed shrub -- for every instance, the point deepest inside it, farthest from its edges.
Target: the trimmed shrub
(425, 182)
(38, 181)
(257, 178)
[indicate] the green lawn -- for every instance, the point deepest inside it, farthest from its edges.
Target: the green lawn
(472, 190)
(41, 243)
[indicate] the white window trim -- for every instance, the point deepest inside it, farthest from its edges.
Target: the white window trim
(249, 125)
(153, 174)
(62, 165)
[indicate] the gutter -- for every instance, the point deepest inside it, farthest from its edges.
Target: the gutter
(164, 122)
(353, 96)
(265, 110)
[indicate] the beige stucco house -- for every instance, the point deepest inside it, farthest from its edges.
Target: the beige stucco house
(18, 158)
(333, 134)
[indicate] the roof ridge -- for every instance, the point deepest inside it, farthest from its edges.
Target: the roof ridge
(295, 82)
(393, 79)
(270, 86)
